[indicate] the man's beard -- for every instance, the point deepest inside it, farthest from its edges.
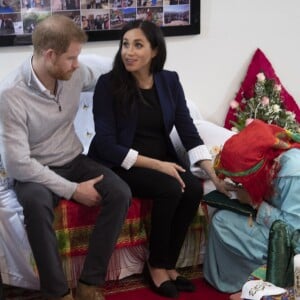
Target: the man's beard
(59, 74)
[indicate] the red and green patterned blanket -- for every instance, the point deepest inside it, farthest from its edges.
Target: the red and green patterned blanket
(74, 223)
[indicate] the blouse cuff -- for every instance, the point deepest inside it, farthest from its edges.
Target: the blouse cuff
(199, 153)
(130, 159)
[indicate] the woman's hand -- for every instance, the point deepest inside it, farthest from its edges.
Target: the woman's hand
(221, 185)
(224, 186)
(169, 168)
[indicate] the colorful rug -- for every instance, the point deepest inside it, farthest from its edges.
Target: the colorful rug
(133, 288)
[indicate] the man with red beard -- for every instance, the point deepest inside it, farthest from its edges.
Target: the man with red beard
(41, 151)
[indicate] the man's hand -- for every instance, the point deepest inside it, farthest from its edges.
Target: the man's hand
(86, 193)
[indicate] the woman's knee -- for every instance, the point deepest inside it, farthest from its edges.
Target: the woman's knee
(194, 192)
(171, 191)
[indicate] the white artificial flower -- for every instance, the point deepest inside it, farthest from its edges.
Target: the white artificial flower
(276, 108)
(291, 115)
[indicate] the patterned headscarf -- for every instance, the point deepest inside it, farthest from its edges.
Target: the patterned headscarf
(249, 157)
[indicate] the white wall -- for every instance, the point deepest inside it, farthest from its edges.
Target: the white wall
(212, 65)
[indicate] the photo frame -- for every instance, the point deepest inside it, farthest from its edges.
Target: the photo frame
(101, 19)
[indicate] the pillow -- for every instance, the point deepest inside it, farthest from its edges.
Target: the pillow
(213, 136)
(84, 120)
(101, 64)
(194, 111)
(259, 63)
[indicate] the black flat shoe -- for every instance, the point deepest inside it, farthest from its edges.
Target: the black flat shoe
(183, 284)
(166, 289)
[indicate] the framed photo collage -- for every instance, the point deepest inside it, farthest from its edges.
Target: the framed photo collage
(101, 19)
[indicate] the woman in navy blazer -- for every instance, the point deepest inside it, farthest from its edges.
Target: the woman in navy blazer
(136, 106)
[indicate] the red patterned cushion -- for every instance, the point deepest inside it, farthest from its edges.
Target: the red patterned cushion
(74, 223)
(260, 63)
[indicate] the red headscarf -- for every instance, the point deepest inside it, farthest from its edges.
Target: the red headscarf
(248, 157)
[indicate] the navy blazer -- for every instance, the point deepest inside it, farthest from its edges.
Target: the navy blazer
(114, 135)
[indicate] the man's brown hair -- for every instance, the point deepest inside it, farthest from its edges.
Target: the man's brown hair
(56, 32)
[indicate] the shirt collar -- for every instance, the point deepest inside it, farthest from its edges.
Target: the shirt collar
(40, 85)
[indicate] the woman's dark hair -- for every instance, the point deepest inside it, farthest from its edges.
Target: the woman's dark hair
(124, 85)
